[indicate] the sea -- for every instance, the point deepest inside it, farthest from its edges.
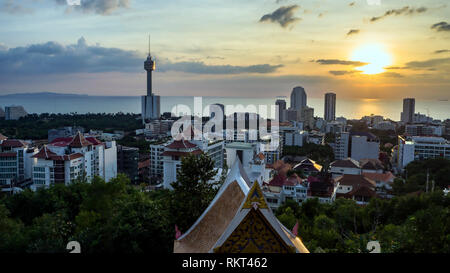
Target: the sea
(348, 108)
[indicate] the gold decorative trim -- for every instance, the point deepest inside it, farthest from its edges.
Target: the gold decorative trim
(255, 196)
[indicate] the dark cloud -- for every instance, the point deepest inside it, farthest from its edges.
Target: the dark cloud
(343, 72)
(392, 75)
(403, 11)
(339, 62)
(442, 26)
(283, 15)
(442, 51)
(432, 63)
(54, 58)
(353, 31)
(202, 68)
(104, 7)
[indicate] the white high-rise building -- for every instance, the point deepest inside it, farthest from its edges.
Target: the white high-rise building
(298, 98)
(330, 107)
(15, 161)
(66, 159)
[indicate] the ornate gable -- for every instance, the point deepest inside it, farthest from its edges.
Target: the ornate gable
(254, 235)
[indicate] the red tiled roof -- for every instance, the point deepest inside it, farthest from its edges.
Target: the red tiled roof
(79, 141)
(355, 179)
(358, 191)
(278, 180)
(291, 181)
(65, 141)
(181, 144)
(13, 143)
(385, 177)
(345, 163)
(44, 153)
(94, 141)
(177, 153)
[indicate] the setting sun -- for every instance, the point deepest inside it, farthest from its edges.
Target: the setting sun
(373, 54)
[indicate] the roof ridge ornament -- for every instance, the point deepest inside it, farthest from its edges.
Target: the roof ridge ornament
(255, 198)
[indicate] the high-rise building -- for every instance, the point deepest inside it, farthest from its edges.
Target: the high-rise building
(150, 102)
(281, 107)
(128, 162)
(68, 158)
(330, 107)
(2, 113)
(15, 161)
(407, 115)
(298, 98)
(307, 116)
(14, 112)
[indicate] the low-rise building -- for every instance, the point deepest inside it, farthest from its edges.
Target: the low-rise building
(322, 187)
(308, 167)
(344, 166)
(356, 187)
(418, 148)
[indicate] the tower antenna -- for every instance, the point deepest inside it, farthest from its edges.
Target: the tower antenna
(149, 52)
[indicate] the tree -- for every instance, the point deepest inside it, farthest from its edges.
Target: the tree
(193, 190)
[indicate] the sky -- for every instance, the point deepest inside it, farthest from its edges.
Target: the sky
(371, 49)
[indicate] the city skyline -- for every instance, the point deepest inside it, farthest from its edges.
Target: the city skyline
(261, 49)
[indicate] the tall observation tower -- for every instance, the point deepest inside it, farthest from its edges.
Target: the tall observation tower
(150, 103)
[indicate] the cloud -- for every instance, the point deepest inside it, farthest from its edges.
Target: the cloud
(339, 62)
(202, 68)
(283, 15)
(392, 75)
(9, 6)
(432, 63)
(403, 11)
(442, 26)
(353, 31)
(343, 72)
(442, 51)
(103, 7)
(54, 58)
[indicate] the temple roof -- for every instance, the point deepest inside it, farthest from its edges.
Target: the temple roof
(214, 220)
(267, 234)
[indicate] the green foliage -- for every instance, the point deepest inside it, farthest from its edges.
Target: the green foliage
(36, 126)
(320, 153)
(192, 191)
(406, 224)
